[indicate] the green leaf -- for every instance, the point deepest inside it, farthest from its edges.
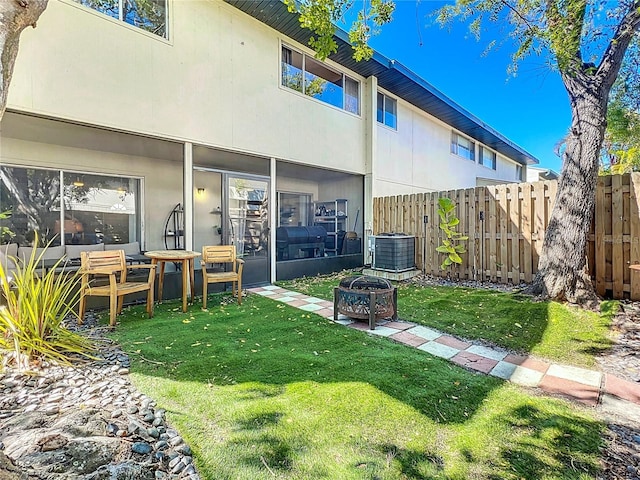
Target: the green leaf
(455, 257)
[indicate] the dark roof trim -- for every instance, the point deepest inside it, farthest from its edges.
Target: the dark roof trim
(547, 174)
(392, 76)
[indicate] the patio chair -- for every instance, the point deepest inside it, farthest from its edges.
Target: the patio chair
(112, 264)
(225, 255)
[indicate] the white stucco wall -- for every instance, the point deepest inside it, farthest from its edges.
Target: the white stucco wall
(215, 82)
(417, 158)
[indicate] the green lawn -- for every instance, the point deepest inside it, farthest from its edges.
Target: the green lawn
(264, 391)
(548, 329)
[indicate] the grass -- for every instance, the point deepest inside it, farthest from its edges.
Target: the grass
(264, 391)
(547, 329)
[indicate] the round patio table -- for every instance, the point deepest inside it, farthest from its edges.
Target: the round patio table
(186, 258)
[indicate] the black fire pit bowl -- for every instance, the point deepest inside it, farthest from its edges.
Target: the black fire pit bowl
(357, 294)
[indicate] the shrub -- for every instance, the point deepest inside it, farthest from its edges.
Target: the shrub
(451, 246)
(31, 321)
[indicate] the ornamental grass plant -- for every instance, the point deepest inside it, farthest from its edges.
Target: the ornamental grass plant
(32, 311)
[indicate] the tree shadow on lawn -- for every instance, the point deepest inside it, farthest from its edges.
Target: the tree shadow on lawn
(243, 345)
(547, 442)
(543, 445)
(509, 320)
(300, 347)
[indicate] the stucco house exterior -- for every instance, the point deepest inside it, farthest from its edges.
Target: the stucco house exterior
(210, 122)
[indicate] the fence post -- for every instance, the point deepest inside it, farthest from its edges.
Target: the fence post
(635, 233)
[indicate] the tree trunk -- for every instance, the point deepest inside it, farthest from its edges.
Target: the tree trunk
(15, 16)
(562, 269)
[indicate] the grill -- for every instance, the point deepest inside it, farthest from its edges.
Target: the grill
(365, 298)
(300, 242)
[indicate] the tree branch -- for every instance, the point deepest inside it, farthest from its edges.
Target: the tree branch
(565, 34)
(617, 48)
(518, 14)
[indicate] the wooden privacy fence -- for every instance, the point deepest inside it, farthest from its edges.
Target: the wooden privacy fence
(506, 226)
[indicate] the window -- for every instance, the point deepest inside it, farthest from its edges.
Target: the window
(294, 209)
(149, 15)
(307, 75)
(519, 173)
(463, 147)
(91, 209)
(487, 158)
(387, 111)
(101, 209)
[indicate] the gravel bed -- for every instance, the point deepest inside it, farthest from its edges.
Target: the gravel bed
(87, 422)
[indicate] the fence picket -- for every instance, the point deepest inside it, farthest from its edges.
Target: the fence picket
(501, 192)
(634, 256)
(514, 220)
(617, 225)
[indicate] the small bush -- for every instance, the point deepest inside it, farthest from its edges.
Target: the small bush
(31, 319)
(451, 246)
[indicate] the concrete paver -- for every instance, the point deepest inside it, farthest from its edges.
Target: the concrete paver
(383, 331)
(503, 370)
(453, 342)
(344, 322)
(526, 377)
(400, 325)
(408, 339)
(474, 362)
(580, 392)
(314, 300)
(286, 299)
(487, 352)
(622, 388)
(425, 332)
(310, 307)
(580, 375)
(439, 350)
(266, 293)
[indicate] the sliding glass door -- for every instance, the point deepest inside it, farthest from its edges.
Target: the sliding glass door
(247, 225)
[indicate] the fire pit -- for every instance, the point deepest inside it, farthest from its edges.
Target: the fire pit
(364, 297)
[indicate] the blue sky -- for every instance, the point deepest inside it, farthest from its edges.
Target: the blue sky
(531, 109)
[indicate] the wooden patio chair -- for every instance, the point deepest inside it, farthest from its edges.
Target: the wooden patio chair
(226, 255)
(112, 264)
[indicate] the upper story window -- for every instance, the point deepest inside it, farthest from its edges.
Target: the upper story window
(463, 147)
(487, 158)
(307, 75)
(149, 15)
(387, 111)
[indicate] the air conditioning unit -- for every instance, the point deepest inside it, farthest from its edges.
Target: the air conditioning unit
(393, 252)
